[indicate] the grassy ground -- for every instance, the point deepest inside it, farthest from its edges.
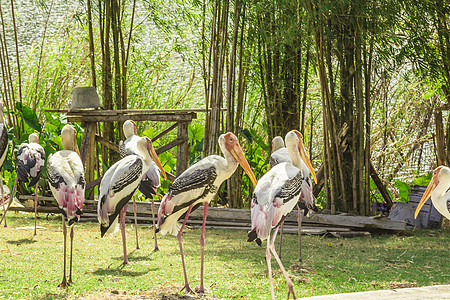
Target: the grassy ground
(234, 269)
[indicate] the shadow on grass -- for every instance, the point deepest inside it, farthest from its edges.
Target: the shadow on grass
(22, 241)
(119, 271)
(49, 296)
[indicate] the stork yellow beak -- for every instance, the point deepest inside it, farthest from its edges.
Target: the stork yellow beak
(236, 151)
(425, 196)
(304, 156)
(154, 156)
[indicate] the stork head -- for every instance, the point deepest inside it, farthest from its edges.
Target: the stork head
(294, 142)
(69, 138)
(129, 128)
(151, 150)
(277, 143)
(440, 174)
(229, 142)
(33, 138)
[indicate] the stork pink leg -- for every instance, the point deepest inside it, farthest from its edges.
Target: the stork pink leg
(10, 200)
(123, 213)
(202, 247)
(299, 221)
(154, 226)
(64, 282)
(281, 238)
(269, 266)
(179, 236)
(35, 207)
(286, 276)
(71, 252)
(135, 221)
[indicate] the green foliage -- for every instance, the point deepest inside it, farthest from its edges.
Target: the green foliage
(403, 190)
(423, 180)
(29, 116)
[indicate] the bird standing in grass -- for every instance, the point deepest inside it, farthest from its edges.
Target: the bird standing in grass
(276, 194)
(29, 166)
(438, 188)
(118, 186)
(151, 179)
(66, 179)
(198, 185)
(279, 155)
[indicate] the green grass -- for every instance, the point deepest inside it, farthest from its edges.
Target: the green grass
(234, 269)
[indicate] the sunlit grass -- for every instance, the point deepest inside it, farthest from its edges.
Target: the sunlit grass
(32, 267)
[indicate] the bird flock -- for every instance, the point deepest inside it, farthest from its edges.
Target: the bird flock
(287, 184)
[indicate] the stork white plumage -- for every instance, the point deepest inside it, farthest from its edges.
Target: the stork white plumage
(198, 185)
(279, 155)
(151, 179)
(276, 194)
(118, 186)
(29, 166)
(3, 152)
(438, 188)
(65, 173)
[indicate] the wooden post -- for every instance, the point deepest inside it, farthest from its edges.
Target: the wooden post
(183, 148)
(440, 138)
(87, 152)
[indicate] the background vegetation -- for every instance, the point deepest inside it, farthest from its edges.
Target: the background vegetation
(365, 82)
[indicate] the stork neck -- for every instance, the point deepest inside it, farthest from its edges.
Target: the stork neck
(231, 163)
(439, 191)
(146, 158)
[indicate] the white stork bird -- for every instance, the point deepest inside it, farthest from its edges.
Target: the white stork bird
(118, 186)
(151, 179)
(276, 194)
(3, 152)
(438, 188)
(29, 166)
(279, 155)
(65, 173)
(198, 185)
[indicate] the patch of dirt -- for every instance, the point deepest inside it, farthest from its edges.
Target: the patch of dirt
(394, 285)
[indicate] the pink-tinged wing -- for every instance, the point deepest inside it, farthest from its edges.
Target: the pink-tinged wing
(66, 177)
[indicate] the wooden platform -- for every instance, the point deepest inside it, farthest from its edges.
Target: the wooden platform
(240, 219)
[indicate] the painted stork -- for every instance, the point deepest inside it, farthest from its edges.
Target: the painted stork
(438, 188)
(65, 173)
(3, 152)
(198, 185)
(118, 186)
(276, 194)
(151, 179)
(29, 166)
(279, 155)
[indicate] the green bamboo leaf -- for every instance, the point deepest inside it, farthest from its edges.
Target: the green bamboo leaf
(29, 116)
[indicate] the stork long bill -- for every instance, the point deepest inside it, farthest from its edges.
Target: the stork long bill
(236, 151)
(425, 196)
(304, 156)
(154, 156)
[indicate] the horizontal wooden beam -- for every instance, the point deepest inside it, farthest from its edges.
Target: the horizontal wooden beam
(127, 111)
(136, 117)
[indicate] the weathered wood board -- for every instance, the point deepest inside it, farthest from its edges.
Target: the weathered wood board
(240, 218)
